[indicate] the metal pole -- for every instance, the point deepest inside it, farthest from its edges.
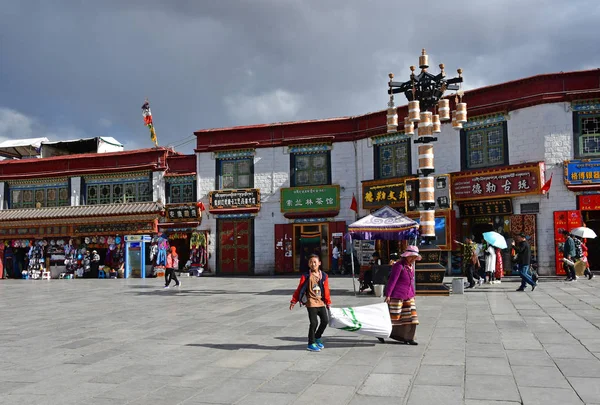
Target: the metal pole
(352, 264)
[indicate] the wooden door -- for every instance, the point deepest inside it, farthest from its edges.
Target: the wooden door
(284, 250)
(235, 246)
(526, 223)
(563, 220)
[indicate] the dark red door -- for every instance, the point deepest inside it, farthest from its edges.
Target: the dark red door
(284, 258)
(563, 220)
(235, 246)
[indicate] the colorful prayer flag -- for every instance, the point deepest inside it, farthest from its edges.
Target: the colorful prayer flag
(147, 114)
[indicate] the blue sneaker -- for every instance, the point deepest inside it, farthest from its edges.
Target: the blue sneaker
(313, 348)
(319, 343)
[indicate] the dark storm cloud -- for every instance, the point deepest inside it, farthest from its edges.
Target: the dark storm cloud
(84, 67)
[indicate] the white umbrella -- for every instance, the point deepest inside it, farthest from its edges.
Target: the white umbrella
(583, 232)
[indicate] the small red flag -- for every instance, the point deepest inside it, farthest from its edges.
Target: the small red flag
(354, 204)
(547, 185)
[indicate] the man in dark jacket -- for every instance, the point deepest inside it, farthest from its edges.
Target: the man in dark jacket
(523, 251)
(569, 253)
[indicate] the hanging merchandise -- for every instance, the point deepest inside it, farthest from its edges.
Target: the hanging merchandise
(36, 261)
(198, 251)
(163, 247)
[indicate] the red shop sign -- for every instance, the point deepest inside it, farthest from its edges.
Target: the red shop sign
(589, 202)
(493, 183)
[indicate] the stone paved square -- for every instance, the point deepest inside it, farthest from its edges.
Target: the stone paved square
(234, 341)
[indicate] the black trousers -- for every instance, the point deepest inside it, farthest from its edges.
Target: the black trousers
(170, 275)
(316, 329)
(570, 270)
(471, 274)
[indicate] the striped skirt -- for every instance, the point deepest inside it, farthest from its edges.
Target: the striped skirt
(403, 312)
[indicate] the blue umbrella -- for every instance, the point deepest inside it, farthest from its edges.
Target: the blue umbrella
(495, 239)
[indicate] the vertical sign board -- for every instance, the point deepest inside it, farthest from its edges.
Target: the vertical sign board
(563, 220)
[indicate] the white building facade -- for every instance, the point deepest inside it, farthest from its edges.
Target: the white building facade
(276, 193)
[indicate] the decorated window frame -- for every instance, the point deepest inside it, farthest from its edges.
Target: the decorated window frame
(484, 144)
(310, 164)
(392, 159)
(586, 134)
(117, 190)
(33, 195)
(180, 189)
(235, 173)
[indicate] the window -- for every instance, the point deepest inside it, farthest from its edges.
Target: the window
(392, 160)
(485, 146)
(108, 191)
(586, 127)
(181, 189)
(235, 173)
(310, 169)
(42, 195)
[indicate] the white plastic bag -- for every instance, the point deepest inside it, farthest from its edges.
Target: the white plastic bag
(371, 320)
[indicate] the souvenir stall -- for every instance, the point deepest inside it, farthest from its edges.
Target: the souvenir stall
(180, 226)
(159, 247)
(386, 224)
(198, 261)
(77, 241)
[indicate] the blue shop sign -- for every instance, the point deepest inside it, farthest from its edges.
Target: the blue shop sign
(582, 171)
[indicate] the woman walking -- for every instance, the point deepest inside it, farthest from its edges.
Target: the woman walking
(499, 267)
(490, 263)
(400, 297)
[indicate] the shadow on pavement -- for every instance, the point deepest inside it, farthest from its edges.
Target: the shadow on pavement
(155, 290)
(330, 342)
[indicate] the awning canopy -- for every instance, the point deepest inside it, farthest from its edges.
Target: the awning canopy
(21, 148)
(79, 211)
(385, 223)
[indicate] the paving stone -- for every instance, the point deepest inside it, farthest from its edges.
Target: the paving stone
(290, 382)
(329, 394)
(587, 388)
(226, 340)
(549, 396)
(397, 365)
(386, 385)
(262, 398)
(579, 368)
(536, 376)
(444, 357)
(441, 375)
(478, 387)
(488, 366)
(353, 376)
(568, 351)
(435, 395)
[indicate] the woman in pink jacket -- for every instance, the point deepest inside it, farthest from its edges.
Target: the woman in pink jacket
(400, 297)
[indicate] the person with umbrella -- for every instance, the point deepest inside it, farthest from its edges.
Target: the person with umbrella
(584, 233)
(492, 254)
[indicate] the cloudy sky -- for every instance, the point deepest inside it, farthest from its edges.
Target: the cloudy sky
(82, 68)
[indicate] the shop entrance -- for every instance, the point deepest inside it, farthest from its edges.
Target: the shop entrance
(235, 253)
(308, 240)
(591, 219)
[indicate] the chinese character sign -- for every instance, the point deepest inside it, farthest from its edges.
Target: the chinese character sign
(310, 199)
(182, 212)
(509, 181)
(234, 199)
(582, 171)
(377, 195)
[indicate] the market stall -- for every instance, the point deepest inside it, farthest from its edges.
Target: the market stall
(387, 224)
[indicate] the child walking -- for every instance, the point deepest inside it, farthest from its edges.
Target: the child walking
(313, 291)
